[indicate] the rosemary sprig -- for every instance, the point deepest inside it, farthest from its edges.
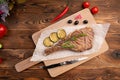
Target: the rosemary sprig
(67, 44)
(82, 35)
(73, 38)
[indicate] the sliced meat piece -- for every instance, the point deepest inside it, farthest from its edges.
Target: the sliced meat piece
(79, 40)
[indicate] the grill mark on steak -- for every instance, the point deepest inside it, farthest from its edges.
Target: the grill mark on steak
(80, 44)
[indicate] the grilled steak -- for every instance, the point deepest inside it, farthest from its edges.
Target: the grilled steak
(79, 40)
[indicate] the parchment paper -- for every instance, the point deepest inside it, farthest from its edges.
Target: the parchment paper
(100, 31)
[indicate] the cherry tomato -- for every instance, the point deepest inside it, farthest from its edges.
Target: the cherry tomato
(1, 60)
(86, 4)
(94, 10)
(3, 30)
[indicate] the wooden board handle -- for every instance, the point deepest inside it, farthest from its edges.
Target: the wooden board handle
(25, 64)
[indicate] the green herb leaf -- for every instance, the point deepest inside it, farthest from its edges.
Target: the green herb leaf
(82, 35)
(73, 38)
(67, 44)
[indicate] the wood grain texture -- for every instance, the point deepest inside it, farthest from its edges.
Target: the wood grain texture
(24, 22)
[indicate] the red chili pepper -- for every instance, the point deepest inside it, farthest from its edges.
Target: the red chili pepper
(61, 14)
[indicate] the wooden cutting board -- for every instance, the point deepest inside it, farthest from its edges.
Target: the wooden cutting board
(85, 15)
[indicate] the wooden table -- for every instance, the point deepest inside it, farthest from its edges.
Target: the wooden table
(35, 15)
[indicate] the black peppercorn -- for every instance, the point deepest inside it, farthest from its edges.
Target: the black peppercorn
(76, 22)
(69, 21)
(85, 21)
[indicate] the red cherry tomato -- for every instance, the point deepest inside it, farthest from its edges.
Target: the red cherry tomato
(86, 4)
(1, 60)
(3, 30)
(94, 10)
